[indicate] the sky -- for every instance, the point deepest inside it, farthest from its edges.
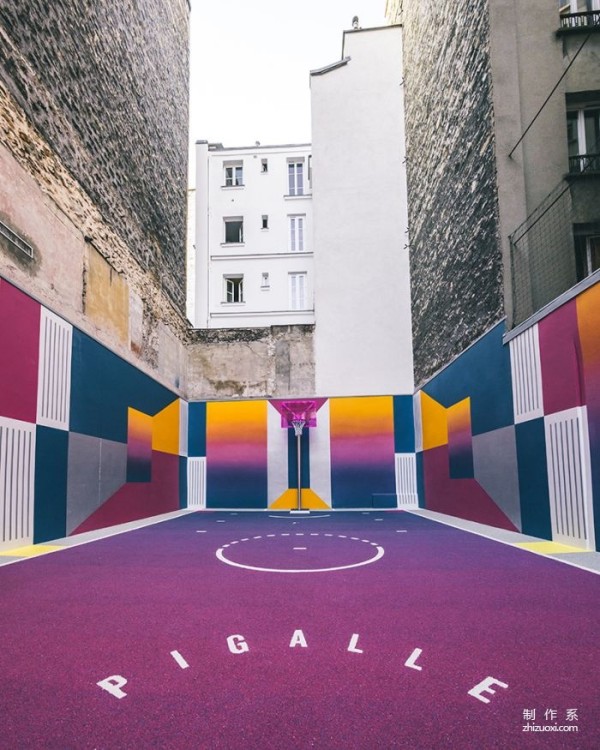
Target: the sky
(250, 62)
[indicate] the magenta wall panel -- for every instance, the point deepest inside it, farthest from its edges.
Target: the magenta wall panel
(463, 498)
(561, 359)
(19, 353)
(137, 500)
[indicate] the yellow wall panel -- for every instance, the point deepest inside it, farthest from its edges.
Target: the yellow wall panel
(165, 429)
(435, 422)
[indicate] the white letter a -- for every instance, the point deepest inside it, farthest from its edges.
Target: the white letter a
(298, 639)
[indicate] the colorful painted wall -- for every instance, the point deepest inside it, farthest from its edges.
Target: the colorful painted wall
(86, 439)
(348, 456)
(509, 433)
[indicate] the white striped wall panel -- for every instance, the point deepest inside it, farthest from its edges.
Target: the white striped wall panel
(17, 467)
(406, 480)
(196, 482)
(569, 477)
(526, 373)
(54, 371)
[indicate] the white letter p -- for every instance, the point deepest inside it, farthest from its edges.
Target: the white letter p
(113, 685)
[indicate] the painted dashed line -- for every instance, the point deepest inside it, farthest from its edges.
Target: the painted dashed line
(201, 531)
(401, 531)
(220, 520)
(299, 548)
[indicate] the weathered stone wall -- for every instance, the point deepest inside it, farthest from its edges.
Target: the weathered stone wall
(251, 363)
(93, 123)
(456, 264)
(105, 84)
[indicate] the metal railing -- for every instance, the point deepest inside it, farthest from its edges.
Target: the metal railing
(584, 20)
(584, 163)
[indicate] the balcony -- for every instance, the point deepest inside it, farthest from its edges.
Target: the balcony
(580, 22)
(584, 163)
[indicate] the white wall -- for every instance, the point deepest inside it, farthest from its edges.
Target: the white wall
(263, 250)
(363, 342)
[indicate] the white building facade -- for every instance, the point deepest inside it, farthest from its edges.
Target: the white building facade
(363, 336)
(253, 247)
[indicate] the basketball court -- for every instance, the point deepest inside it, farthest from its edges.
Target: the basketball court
(364, 629)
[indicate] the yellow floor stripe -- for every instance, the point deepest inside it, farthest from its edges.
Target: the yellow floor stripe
(32, 551)
(289, 500)
(549, 548)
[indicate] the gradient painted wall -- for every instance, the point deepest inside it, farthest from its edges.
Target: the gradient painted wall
(347, 455)
(486, 421)
(362, 449)
(236, 454)
(109, 445)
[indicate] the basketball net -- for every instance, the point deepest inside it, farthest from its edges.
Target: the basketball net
(298, 425)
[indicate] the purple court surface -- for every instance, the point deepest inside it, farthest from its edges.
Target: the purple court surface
(257, 630)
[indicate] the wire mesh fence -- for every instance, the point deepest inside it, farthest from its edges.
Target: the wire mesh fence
(543, 255)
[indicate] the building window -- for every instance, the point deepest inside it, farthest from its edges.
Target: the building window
(296, 178)
(296, 244)
(265, 222)
(587, 254)
(234, 288)
(578, 6)
(234, 230)
(297, 291)
(583, 133)
(234, 174)
(264, 166)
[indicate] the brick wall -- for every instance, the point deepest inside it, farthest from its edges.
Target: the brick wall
(105, 83)
(456, 266)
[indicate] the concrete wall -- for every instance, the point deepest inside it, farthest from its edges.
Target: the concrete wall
(251, 363)
(362, 294)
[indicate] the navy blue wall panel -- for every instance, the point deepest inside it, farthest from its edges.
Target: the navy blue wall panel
(51, 458)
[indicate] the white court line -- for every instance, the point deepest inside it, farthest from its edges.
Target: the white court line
(379, 554)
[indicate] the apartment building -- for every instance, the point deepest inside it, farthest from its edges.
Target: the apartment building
(253, 248)
(503, 125)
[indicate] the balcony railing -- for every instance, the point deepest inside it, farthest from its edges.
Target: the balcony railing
(585, 20)
(584, 163)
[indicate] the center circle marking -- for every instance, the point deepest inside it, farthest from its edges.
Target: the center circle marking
(220, 553)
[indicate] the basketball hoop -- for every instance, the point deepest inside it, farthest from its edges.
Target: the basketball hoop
(298, 414)
(298, 425)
